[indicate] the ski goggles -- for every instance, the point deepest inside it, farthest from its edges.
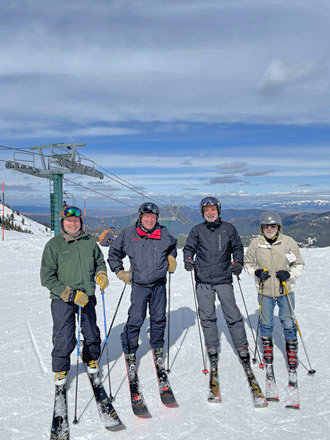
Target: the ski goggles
(149, 208)
(272, 226)
(71, 212)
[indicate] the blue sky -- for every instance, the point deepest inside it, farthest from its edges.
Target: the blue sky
(182, 99)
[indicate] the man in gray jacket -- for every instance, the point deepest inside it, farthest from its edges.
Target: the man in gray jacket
(274, 260)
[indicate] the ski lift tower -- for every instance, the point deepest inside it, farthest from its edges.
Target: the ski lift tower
(173, 214)
(62, 159)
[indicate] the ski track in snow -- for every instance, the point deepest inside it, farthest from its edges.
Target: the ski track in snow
(28, 392)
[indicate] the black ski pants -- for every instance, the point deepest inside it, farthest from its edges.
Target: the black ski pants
(64, 329)
(141, 296)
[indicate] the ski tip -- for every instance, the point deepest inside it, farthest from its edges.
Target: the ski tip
(171, 405)
(144, 416)
(262, 404)
(311, 372)
(215, 400)
(115, 428)
(205, 371)
(293, 406)
(262, 365)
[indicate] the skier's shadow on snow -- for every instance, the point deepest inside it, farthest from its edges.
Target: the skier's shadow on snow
(180, 322)
(278, 337)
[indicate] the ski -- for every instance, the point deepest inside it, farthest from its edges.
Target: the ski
(165, 390)
(292, 399)
(107, 412)
(271, 387)
(259, 400)
(60, 425)
(214, 388)
(138, 403)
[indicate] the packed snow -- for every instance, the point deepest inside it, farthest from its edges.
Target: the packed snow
(27, 387)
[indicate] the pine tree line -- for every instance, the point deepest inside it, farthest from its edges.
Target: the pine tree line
(9, 223)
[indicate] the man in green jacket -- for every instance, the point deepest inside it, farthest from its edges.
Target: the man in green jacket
(71, 264)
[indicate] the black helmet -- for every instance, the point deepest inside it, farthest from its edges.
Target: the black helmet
(148, 208)
(270, 218)
(210, 201)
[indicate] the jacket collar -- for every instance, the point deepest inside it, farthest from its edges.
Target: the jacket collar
(68, 238)
(156, 233)
(213, 225)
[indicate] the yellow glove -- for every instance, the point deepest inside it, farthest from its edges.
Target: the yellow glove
(76, 296)
(102, 280)
(125, 276)
(171, 264)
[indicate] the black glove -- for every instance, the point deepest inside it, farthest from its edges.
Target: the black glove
(262, 274)
(236, 268)
(283, 275)
(189, 264)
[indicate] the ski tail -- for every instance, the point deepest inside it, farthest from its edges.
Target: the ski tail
(271, 387)
(214, 388)
(138, 403)
(292, 399)
(60, 425)
(258, 397)
(107, 412)
(165, 390)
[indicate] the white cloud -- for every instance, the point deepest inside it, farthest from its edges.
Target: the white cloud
(168, 61)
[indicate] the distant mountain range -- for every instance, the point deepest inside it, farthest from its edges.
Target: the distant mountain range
(307, 205)
(310, 229)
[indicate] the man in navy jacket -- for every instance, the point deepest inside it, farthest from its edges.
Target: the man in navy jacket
(152, 253)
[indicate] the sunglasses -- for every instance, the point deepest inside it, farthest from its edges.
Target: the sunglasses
(72, 211)
(269, 226)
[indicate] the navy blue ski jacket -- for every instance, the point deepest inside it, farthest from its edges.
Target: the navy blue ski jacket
(147, 253)
(211, 246)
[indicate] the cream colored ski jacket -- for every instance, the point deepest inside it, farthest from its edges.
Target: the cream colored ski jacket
(284, 254)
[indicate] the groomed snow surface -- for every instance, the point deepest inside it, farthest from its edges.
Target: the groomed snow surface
(26, 380)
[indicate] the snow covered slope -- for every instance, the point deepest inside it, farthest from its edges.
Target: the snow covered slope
(25, 222)
(26, 380)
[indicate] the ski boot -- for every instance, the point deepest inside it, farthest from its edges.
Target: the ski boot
(60, 378)
(158, 355)
(213, 358)
(292, 354)
(267, 343)
(92, 367)
(130, 359)
(244, 357)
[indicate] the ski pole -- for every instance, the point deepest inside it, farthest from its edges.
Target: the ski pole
(75, 420)
(311, 370)
(168, 322)
(106, 342)
(113, 319)
(205, 370)
(248, 317)
(254, 360)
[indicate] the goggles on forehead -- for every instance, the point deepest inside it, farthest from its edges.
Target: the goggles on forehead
(71, 212)
(272, 226)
